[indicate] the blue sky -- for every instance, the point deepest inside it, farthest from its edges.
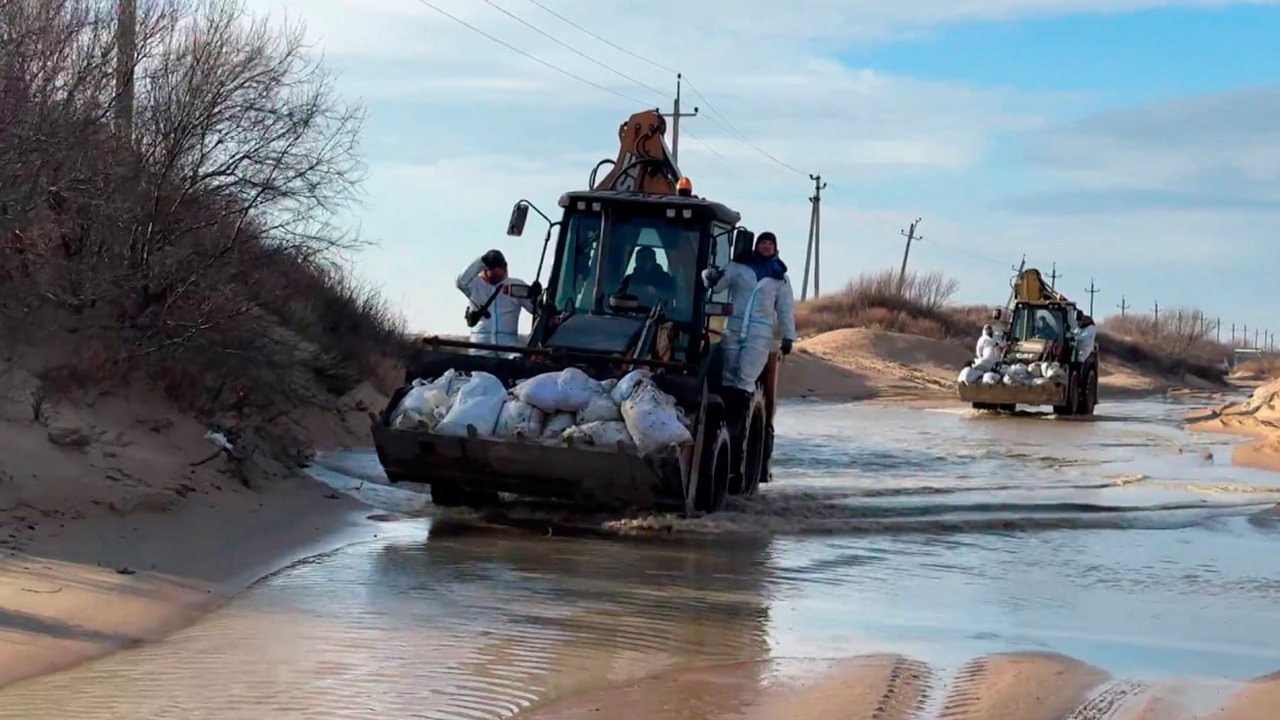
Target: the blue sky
(1132, 142)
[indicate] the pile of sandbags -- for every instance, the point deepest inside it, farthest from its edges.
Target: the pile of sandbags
(565, 407)
(1015, 374)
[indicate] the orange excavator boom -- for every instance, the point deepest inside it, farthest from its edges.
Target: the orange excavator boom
(644, 163)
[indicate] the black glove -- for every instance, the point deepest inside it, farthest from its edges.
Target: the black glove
(786, 347)
(472, 317)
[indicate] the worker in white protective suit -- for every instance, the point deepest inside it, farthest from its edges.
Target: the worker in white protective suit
(986, 342)
(1086, 336)
(762, 300)
(492, 313)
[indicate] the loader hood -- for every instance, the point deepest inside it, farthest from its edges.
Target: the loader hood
(598, 333)
(1026, 351)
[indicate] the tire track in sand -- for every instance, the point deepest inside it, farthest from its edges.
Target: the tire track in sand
(1110, 701)
(1022, 686)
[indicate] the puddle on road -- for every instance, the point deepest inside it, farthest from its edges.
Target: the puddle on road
(887, 531)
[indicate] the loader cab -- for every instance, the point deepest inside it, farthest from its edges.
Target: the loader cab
(1042, 331)
(623, 260)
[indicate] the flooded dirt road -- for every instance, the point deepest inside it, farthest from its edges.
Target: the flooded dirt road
(895, 552)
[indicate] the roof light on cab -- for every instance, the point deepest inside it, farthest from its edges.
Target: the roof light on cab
(684, 186)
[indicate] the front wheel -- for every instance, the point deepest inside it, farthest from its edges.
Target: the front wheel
(1072, 401)
(446, 494)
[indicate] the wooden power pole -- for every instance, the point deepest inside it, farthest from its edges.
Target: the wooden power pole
(910, 235)
(813, 251)
(1092, 291)
(126, 57)
(1123, 306)
(675, 116)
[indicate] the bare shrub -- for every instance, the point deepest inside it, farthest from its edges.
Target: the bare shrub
(873, 301)
(201, 248)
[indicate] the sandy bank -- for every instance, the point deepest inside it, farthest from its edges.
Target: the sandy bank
(1258, 418)
(1015, 686)
(118, 524)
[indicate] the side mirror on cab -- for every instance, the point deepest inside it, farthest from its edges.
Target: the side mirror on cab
(743, 241)
(715, 309)
(524, 292)
(519, 214)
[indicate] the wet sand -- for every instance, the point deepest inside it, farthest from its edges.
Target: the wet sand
(911, 565)
(1256, 417)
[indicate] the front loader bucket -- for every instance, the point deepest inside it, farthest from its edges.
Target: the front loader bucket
(1001, 394)
(605, 478)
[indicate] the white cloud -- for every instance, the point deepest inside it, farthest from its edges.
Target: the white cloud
(461, 127)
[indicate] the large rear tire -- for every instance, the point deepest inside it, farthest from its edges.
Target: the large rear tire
(713, 475)
(749, 448)
(1088, 393)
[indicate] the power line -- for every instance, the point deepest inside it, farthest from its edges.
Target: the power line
(530, 56)
(571, 48)
(613, 45)
(720, 119)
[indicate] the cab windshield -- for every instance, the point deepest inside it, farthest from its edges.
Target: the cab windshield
(646, 255)
(1032, 323)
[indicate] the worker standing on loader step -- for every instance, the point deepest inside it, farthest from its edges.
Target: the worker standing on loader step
(492, 314)
(762, 299)
(1086, 336)
(986, 342)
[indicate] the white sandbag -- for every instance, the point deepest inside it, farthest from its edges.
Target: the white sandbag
(556, 424)
(607, 386)
(426, 402)
(519, 418)
(627, 385)
(478, 404)
(986, 364)
(602, 408)
(652, 419)
(1036, 369)
(991, 378)
(569, 390)
(601, 434)
(1019, 369)
(969, 376)
(1040, 381)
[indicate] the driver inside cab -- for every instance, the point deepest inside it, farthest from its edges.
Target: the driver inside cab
(649, 281)
(1045, 330)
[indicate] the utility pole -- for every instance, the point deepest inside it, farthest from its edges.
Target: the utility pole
(1233, 334)
(909, 234)
(1217, 326)
(1013, 286)
(1157, 317)
(812, 252)
(1092, 291)
(1123, 306)
(1053, 277)
(126, 52)
(1244, 336)
(675, 116)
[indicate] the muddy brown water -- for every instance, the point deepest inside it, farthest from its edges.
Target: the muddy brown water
(1122, 541)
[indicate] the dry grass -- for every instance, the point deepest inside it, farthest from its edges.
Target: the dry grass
(1182, 343)
(195, 247)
